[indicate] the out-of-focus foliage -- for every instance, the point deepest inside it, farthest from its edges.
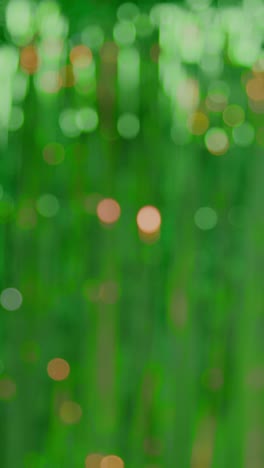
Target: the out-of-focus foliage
(131, 233)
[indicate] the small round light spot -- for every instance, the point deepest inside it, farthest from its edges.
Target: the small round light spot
(11, 299)
(217, 97)
(58, 369)
(124, 33)
(81, 56)
(7, 388)
(70, 412)
(68, 123)
(244, 135)
(53, 154)
(93, 37)
(144, 27)
(128, 126)
(127, 11)
(205, 218)
(255, 89)
(87, 119)
(108, 211)
(198, 123)
(149, 220)
(49, 81)
(216, 141)
(112, 461)
(233, 115)
(48, 205)
(29, 59)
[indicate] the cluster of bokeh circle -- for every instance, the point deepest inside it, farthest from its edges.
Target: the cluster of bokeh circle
(56, 65)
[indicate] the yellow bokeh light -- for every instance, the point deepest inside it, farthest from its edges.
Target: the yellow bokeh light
(217, 141)
(112, 461)
(198, 123)
(108, 211)
(70, 412)
(58, 369)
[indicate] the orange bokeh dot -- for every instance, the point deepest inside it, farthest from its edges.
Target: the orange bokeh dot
(255, 89)
(112, 461)
(93, 460)
(29, 59)
(81, 56)
(58, 369)
(108, 211)
(149, 220)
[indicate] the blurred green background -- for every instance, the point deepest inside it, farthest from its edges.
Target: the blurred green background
(131, 232)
